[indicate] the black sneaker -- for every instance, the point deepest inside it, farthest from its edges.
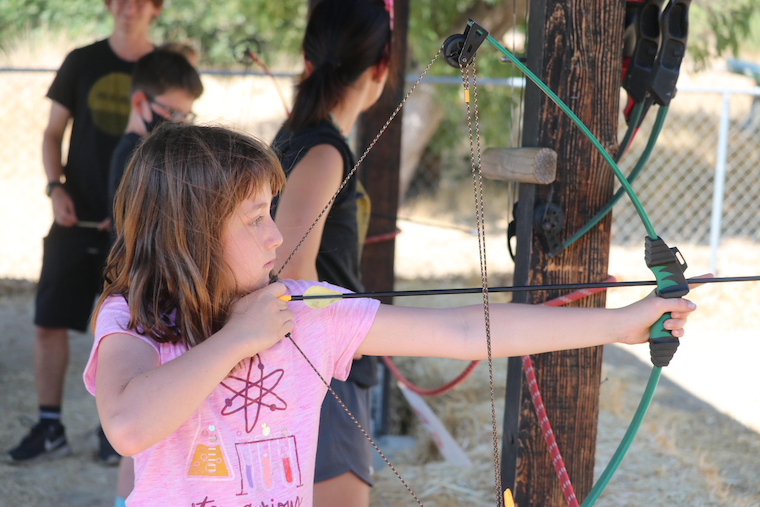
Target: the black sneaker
(46, 440)
(107, 455)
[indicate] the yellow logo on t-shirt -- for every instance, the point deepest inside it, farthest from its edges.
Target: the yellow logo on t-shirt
(108, 102)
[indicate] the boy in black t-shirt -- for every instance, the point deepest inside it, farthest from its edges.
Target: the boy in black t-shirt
(92, 89)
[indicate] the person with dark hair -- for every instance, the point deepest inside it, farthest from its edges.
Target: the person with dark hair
(164, 86)
(346, 50)
(91, 89)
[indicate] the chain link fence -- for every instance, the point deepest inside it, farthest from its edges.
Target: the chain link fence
(707, 132)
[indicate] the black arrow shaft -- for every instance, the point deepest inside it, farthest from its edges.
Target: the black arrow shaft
(519, 288)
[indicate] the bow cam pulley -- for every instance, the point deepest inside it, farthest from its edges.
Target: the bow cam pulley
(459, 49)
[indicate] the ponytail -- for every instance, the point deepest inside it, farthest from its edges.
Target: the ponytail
(342, 40)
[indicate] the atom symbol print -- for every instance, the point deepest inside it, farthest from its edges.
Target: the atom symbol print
(259, 393)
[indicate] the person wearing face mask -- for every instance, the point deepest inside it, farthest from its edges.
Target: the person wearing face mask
(164, 86)
(90, 91)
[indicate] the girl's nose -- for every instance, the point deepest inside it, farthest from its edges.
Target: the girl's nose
(275, 237)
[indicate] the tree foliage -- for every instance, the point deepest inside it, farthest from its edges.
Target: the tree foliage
(277, 25)
(216, 28)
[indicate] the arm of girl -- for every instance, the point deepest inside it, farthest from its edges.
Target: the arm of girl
(141, 401)
(311, 184)
(516, 329)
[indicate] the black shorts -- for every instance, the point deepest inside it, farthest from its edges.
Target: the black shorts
(341, 446)
(72, 276)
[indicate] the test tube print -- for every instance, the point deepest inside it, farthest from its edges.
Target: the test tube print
(268, 463)
(285, 458)
(249, 467)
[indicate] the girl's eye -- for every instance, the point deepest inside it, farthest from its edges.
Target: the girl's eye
(257, 220)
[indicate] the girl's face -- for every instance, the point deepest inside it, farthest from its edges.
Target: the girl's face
(249, 241)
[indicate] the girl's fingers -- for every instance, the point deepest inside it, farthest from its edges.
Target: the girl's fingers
(674, 323)
(276, 289)
(680, 305)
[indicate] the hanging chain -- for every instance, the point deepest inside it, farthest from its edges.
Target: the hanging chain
(361, 159)
(477, 184)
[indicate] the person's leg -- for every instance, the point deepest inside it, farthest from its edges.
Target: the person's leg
(343, 472)
(48, 438)
(51, 356)
(126, 480)
(346, 490)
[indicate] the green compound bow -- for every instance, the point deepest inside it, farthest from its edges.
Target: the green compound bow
(662, 260)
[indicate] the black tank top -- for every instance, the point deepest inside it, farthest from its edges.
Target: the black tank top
(339, 256)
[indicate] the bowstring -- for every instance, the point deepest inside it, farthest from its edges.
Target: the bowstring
(477, 184)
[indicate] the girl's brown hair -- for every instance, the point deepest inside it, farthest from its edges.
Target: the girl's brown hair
(177, 193)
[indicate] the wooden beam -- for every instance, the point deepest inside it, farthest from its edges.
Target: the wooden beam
(524, 165)
(581, 45)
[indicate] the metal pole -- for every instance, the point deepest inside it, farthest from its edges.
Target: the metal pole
(720, 180)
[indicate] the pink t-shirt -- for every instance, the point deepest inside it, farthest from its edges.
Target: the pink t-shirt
(252, 442)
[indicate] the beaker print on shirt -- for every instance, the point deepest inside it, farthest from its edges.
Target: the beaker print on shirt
(268, 464)
(208, 458)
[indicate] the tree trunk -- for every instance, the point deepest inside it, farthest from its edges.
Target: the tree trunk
(581, 55)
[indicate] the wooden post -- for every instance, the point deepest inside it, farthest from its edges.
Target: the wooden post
(578, 53)
(380, 170)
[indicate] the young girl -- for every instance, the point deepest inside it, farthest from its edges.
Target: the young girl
(191, 374)
(346, 50)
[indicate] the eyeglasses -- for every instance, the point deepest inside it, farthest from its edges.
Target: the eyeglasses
(174, 115)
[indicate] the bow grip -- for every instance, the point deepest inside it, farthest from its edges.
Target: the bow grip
(671, 283)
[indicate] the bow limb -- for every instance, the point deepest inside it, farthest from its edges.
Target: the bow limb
(664, 264)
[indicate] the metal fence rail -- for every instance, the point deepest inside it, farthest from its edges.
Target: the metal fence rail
(700, 184)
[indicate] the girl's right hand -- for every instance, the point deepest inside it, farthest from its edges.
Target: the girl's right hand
(259, 319)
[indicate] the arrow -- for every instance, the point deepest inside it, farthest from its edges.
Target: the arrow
(320, 297)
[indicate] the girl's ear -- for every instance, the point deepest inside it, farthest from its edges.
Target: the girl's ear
(380, 71)
(379, 74)
(308, 68)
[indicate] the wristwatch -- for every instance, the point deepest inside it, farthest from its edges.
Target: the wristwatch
(51, 185)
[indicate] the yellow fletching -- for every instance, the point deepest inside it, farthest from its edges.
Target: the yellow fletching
(284, 297)
(508, 500)
(318, 290)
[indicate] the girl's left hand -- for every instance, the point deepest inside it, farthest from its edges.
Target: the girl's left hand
(640, 317)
